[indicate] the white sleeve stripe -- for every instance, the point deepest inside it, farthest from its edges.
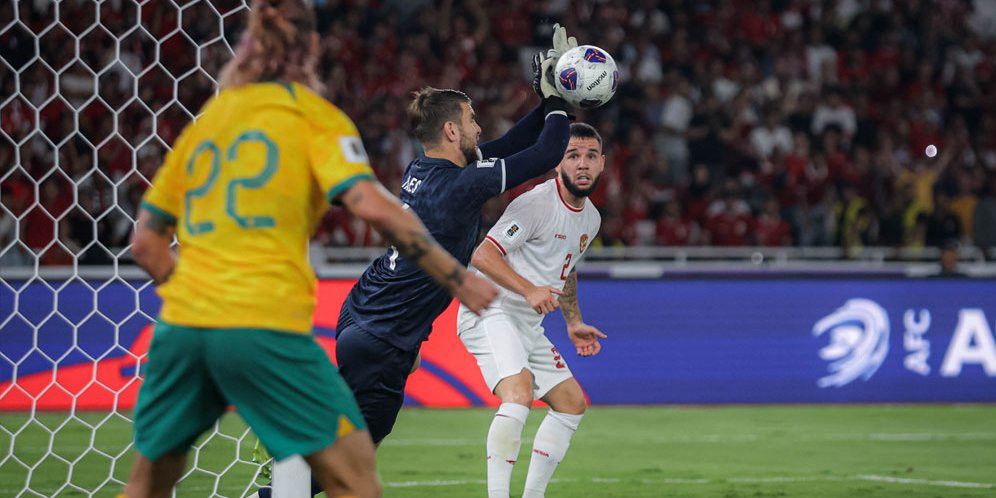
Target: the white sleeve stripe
(502, 176)
(551, 113)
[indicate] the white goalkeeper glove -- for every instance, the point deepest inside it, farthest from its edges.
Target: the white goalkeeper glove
(543, 66)
(561, 43)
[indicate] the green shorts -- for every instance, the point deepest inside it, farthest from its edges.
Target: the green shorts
(281, 383)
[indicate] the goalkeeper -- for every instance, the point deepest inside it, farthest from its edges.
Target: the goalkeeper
(242, 190)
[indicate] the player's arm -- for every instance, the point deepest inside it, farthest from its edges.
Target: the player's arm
(546, 153)
(526, 130)
(584, 336)
(522, 135)
(489, 258)
(370, 202)
(158, 213)
(483, 180)
(150, 244)
(494, 176)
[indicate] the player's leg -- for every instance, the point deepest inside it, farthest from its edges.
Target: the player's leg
(292, 397)
(502, 358)
(557, 387)
(177, 402)
(346, 468)
(155, 479)
(376, 373)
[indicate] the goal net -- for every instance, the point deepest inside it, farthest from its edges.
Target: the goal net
(92, 95)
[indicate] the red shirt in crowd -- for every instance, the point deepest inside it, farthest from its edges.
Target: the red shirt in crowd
(772, 231)
(730, 229)
(674, 231)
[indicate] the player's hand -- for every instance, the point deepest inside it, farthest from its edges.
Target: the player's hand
(543, 299)
(585, 339)
(561, 42)
(543, 83)
(544, 64)
(475, 292)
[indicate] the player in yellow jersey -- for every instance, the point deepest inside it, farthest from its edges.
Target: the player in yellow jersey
(242, 190)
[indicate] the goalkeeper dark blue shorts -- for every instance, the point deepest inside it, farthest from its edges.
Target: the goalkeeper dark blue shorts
(281, 383)
(377, 373)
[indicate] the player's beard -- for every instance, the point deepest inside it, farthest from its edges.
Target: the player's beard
(577, 191)
(468, 146)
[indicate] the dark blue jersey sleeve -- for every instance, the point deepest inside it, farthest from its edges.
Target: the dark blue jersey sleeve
(482, 180)
(542, 156)
(478, 182)
(520, 136)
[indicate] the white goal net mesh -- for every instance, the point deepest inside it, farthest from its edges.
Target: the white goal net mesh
(93, 93)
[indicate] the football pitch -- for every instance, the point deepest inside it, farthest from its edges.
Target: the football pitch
(754, 451)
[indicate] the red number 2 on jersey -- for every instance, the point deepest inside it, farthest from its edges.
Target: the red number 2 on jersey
(567, 264)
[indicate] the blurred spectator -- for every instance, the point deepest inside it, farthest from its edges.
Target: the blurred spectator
(854, 223)
(772, 230)
(730, 222)
(675, 229)
(949, 260)
(942, 224)
(677, 116)
(770, 136)
(833, 111)
(984, 217)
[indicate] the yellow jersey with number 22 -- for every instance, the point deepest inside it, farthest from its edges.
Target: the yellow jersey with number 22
(246, 184)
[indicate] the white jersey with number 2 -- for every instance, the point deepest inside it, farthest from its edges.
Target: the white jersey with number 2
(542, 238)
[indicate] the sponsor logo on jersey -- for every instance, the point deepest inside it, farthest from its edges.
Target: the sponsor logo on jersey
(584, 241)
(512, 230)
(859, 341)
(560, 236)
(487, 163)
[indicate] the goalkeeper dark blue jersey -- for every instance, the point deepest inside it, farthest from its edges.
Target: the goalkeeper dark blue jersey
(394, 299)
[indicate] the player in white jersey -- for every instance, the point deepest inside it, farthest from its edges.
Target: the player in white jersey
(530, 253)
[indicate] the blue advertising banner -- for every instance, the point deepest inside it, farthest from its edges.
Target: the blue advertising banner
(788, 341)
(686, 341)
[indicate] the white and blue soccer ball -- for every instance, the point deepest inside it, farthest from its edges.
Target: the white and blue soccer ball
(586, 76)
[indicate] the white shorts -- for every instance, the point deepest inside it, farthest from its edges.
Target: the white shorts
(503, 346)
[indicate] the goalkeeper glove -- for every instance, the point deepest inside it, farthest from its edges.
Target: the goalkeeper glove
(543, 65)
(545, 88)
(561, 42)
(543, 82)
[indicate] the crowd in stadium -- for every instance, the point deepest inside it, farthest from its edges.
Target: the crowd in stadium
(738, 123)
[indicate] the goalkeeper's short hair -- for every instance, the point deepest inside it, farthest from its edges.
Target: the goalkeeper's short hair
(431, 108)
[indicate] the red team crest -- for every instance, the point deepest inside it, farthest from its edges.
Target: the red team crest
(584, 241)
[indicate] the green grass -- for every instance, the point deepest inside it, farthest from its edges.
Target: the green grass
(783, 451)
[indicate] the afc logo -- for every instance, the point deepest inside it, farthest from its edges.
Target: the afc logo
(859, 341)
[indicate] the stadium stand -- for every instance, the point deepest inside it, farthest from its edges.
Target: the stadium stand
(771, 123)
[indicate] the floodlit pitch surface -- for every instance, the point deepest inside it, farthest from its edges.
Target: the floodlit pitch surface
(802, 451)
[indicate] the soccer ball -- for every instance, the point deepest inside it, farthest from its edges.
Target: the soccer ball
(586, 76)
